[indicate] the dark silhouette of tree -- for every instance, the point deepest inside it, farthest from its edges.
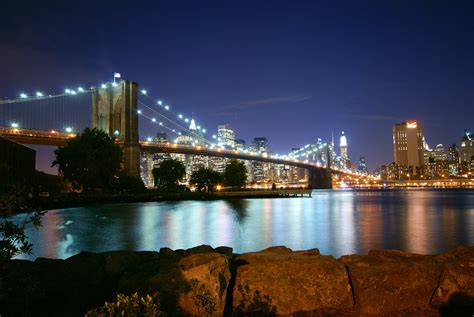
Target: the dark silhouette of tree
(235, 174)
(205, 179)
(13, 239)
(168, 173)
(89, 161)
(129, 184)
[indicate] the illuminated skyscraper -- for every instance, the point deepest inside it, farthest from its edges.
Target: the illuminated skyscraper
(362, 168)
(408, 145)
(343, 149)
(225, 136)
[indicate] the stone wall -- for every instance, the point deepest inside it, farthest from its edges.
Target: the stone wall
(275, 281)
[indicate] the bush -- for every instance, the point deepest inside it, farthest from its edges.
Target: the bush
(128, 306)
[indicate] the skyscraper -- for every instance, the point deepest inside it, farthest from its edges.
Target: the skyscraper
(408, 145)
(343, 146)
(225, 135)
(362, 168)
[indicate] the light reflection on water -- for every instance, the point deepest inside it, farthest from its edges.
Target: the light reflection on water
(337, 222)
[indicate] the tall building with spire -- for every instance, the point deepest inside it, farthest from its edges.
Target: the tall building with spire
(343, 149)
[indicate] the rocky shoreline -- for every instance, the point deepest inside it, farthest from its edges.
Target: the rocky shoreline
(275, 281)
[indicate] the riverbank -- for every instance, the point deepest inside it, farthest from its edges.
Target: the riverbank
(72, 200)
(275, 281)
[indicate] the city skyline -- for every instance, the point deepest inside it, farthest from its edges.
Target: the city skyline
(337, 67)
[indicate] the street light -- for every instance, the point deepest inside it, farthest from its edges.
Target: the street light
(23, 95)
(68, 129)
(39, 94)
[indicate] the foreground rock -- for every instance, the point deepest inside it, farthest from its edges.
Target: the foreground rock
(191, 285)
(280, 281)
(393, 282)
(275, 281)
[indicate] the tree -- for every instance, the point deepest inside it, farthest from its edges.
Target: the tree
(89, 161)
(168, 173)
(129, 184)
(235, 174)
(13, 239)
(205, 179)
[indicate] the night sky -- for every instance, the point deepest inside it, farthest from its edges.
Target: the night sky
(292, 71)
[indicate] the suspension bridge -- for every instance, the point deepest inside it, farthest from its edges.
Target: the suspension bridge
(116, 108)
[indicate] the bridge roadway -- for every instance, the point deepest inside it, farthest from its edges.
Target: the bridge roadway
(319, 177)
(55, 138)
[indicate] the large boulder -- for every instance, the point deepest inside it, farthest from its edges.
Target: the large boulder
(280, 281)
(456, 286)
(393, 282)
(195, 284)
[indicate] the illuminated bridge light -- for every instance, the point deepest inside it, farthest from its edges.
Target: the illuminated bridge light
(203, 130)
(104, 86)
(161, 123)
(186, 120)
(114, 84)
(73, 92)
(139, 111)
(149, 139)
(143, 91)
(67, 91)
(180, 116)
(23, 95)
(153, 119)
(15, 125)
(160, 102)
(80, 89)
(39, 94)
(214, 136)
(116, 132)
(68, 129)
(167, 107)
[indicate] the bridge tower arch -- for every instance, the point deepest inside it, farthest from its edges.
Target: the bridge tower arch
(114, 110)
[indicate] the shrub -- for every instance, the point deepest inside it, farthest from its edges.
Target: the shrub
(124, 305)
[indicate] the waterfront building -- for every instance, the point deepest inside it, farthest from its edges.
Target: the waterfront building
(161, 137)
(239, 144)
(453, 159)
(466, 149)
(343, 150)
(439, 153)
(408, 145)
(258, 169)
(225, 136)
(362, 168)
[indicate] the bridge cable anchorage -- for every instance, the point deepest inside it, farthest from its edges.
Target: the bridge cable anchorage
(168, 108)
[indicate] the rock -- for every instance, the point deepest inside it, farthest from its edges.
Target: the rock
(116, 262)
(393, 283)
(457, 278)
(200, 249)
(279, 281)
(460, 253)
(195, 284)
(146, 256)
(394, 255)
(227, 251)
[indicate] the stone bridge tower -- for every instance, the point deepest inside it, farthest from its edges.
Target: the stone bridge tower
(114, 110)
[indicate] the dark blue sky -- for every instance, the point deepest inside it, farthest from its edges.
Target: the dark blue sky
(292, 71)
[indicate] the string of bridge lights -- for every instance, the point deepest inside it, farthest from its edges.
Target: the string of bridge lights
(167, 107)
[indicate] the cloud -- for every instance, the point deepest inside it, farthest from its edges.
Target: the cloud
(291, 99)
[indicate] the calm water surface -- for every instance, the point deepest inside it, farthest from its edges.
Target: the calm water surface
(337, 222)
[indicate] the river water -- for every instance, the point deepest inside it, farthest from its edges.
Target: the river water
(337, 222)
